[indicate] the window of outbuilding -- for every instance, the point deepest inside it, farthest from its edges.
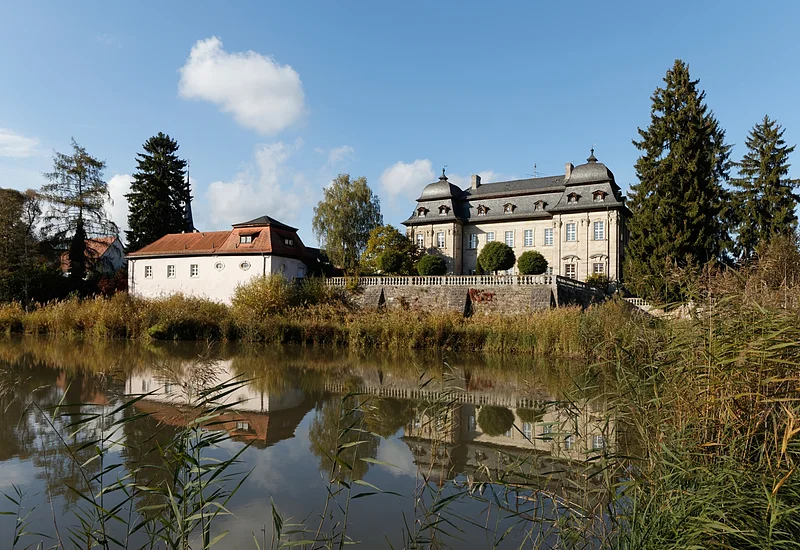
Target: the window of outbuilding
(170, 271)
(245, 239)
(148, 272)
(288, 242)
(194, 270)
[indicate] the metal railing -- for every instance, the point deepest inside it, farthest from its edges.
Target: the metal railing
(446, 280)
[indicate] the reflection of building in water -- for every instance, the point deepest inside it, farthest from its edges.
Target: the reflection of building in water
(571, 431)
(261, 417)
(178, 384)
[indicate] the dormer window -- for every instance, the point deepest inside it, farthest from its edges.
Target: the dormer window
(508, 208)
(421, 211)
(288, 242)
(443, 210)
(572, 198)
(246, 239)
(538, 206)
(599, 196)
(482, 210)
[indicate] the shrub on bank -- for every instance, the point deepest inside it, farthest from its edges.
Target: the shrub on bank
(430, 265)
(531, 262)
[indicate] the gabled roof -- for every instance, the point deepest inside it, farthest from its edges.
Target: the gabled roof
(95, 248)
(266, 236)
(265, 221)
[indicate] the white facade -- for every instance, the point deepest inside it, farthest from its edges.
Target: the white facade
(214, 277)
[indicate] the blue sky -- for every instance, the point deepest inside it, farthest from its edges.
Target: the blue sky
(270, 100)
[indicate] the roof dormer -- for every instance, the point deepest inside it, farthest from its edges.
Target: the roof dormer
(482, 209)
(599, 196)
(508, 208)
(443, 210)
(573, 198)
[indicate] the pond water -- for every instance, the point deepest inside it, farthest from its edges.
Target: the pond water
(454, 450)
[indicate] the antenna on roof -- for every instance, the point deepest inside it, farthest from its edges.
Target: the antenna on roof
(535, 172)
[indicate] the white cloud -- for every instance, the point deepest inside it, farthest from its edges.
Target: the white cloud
(260, 93)
(406, 179)
(339, 155)
(117, 209)
(16, 145)
(258, 189)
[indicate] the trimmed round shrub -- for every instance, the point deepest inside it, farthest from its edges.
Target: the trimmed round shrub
(531, 415)
(531, 263)
(496, 256)
(495, 420)
(431, 265)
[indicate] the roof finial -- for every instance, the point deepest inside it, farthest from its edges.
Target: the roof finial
(443, 176)
(592, 158)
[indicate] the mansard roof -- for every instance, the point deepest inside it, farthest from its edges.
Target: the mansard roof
(583, 180)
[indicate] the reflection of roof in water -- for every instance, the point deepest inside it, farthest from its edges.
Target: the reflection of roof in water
(259, 429)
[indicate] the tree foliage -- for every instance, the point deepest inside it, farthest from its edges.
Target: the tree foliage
(680, 213)
(766, 198)
(430, 265)
(495, 420)
(160, 196)
(23, 268)
(390, 252)
(496, 256)
(344, 219)
(531, 262)
(77, 195)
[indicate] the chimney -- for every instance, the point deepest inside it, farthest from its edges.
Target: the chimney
(476, 181)
(568, 170)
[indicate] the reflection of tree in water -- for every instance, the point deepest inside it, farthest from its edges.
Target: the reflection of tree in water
(385, 416)
(337, 424)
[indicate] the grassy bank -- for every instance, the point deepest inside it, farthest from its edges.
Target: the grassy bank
(568, 332)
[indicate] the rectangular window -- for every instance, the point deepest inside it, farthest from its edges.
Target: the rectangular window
(242, 426)
(473, 241)
(194, 270)
(288, 242)
(171, 271)
(548, 236)
(420, 240)
(599, 231)
(572, 232)
(471, 423)
(598, 268)
(148, 272)
(490, 236)
(527, 429)
(549, 270)
(510, 239)
(245, 239)
(569, 442)
(598, 442)
(571, 271)
(440, 239)
(547, 429)
(508, 433)
(529, 237)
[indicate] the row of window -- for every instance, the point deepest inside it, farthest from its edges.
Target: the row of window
(571, 269)
(570, 235)
(194, 269)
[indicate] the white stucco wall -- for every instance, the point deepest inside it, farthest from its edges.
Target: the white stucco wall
(210, 282)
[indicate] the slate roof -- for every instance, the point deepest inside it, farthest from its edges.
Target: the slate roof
(267, 238)
(95, 248)
(523, 194)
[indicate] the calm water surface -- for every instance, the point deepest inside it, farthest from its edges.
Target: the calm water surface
(420, 421)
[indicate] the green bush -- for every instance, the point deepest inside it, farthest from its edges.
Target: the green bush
(598, 281)
(262, 297)
(392, 262)
(532, 415)
(531, 263)
(431, 265)
(496, 256)
(495, 420)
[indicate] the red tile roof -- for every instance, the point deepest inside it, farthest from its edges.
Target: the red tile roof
(266, 239)
(95, 248)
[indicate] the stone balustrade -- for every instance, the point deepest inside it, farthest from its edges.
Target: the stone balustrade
(446, 280)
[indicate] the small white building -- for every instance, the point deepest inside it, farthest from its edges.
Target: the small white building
(212, 264)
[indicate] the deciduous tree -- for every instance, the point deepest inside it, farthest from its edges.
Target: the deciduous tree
(680, 209)
(77, 194)
(765, 196)
(389, 251)
(160, 196)
(344, 218)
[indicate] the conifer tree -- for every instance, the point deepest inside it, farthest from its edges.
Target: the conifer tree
(765, 199)
(160, 196)
(77, 194)
(680, 209)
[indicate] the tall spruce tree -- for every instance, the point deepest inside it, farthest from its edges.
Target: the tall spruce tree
(77, 194)
(765, 199)
(160, 196)
(680, 208)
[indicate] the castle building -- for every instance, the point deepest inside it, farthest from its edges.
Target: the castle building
(577, 221)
